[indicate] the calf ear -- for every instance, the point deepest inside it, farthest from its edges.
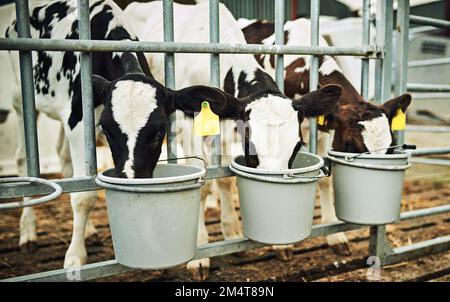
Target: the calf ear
(318, 102)
(402, 102)
(225, 105)
(100, 88)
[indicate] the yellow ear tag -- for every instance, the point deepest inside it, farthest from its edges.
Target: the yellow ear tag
(206, 122)
(321, 121)
(399, 121)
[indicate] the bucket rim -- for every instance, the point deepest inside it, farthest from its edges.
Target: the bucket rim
(308, 169)
(158, 180)
(399, 154)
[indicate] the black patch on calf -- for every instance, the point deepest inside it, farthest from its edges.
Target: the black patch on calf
(229, 84)
(261, 85)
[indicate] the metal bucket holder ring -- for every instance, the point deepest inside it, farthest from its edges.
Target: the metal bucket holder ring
(32, 202)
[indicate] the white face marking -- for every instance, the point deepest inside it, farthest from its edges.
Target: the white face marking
(132, 103)
(377, 134)
(328, 66)
(274, 131)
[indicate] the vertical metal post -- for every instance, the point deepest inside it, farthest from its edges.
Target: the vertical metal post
(215, 66)
(84, 32)
(402, 51)
(279, 40)
(383, 67)
(169, 76)
(314, 70)
(378, 245)
(365, 41)
(27, 86)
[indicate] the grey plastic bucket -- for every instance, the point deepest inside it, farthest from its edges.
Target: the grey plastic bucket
(368, 187)
(277, 206)
(154, 221)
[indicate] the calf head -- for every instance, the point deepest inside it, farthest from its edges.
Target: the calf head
(269, 125)
(361, 126)
(135, 116)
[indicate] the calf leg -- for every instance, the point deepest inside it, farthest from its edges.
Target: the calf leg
(65, 162)
(28, 237)
(338, 241)
(229, 219)
(200, 268)
(63, 150)
(82, 202)
(212, 200)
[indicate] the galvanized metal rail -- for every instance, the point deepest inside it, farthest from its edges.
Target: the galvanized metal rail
(221, 248)
(384, 25)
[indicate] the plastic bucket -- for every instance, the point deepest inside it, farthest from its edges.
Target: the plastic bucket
(154, 221)
(368, 187)
(277, 206)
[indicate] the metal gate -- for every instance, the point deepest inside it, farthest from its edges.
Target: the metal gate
(380, 52)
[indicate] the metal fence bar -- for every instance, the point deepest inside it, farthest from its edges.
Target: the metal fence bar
(402, 52)
(429, 21)
(214, 37)
(380, 41)
(279, 40)
(169, 77)
(178, 47)
(365, 41)
(111, 267)
(378, 245)
(429, 62)
(418, 87)
(84, 29)
(431, 151)
(87, 183)
(388, 46)
(314, 70)
(415, 250)
(425, 212)
(27, 87)
(420, 128)
(431, 161)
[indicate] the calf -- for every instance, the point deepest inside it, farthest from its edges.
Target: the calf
(130, 105)
(358, 125)
(271, 136)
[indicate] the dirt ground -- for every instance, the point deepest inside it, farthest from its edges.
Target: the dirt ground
(313, 260)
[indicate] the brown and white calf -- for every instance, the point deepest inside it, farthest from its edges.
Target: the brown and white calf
(355, 125)
(267, 110)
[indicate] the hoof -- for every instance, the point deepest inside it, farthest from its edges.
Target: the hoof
(342, 249)
(284, 253)
(199, 269)
(28, 247)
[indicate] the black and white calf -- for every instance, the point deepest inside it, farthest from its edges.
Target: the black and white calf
(58, 94)
(273, 120)
(131, 106)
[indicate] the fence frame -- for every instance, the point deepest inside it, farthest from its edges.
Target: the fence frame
(378, 245)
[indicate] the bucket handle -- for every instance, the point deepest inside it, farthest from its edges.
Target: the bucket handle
(370, 166)
(403, 147)
(57, 190)
(136, 189)
(324, 172)
(205, 165)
